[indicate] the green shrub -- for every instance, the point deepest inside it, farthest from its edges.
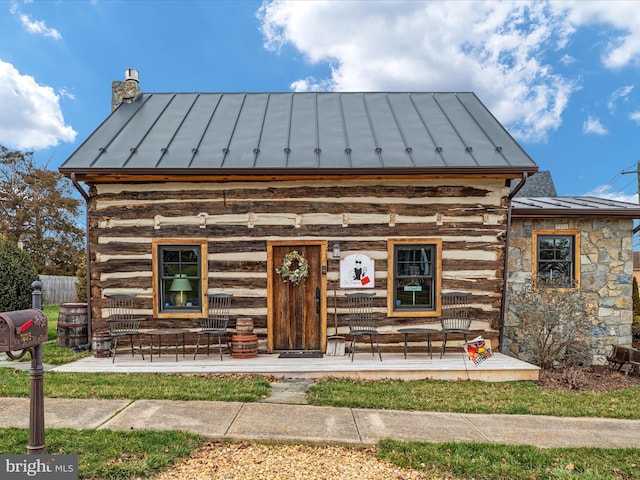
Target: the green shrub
(17, 273)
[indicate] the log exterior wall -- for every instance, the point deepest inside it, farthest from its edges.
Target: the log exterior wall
(238, 218)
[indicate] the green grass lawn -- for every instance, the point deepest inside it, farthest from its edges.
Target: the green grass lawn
(52, 320)
(418, 395)
(15, 383)
(105, 454)
(475, 397)
(482, 461)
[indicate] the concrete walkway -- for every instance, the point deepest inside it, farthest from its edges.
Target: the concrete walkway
(290, 423)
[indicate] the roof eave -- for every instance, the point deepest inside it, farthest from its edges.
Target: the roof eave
(631, 214)
(146, 175)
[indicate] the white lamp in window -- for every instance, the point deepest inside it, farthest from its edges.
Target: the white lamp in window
(180, 285)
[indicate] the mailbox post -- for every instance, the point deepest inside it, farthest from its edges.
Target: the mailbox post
(26, 330)
(36, 398)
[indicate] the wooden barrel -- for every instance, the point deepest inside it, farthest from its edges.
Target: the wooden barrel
(101, 344)
(73, 326)
(244, 326)
(244, 346)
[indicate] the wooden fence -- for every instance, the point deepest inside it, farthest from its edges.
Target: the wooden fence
(57, 289)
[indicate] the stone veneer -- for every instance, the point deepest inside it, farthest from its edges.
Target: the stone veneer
(126, 91)
(606, 276)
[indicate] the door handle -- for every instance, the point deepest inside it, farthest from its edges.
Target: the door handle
(317, 299)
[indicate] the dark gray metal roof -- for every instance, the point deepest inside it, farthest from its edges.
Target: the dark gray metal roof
(539, 184)
(572, 207)
(266, 133)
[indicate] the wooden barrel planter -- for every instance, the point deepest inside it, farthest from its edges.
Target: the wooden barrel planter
(244, 346)
(101, 344)
(244, 326)
(73, 326)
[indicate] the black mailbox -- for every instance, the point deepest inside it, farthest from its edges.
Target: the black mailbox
(22, 329)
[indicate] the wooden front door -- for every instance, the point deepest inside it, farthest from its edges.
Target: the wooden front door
(297, 313)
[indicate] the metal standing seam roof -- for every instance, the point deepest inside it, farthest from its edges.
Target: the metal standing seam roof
(311, 132)
(572, 207)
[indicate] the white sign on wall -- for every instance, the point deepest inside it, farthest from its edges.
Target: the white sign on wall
(357, 271)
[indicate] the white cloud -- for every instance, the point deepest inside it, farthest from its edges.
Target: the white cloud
(434, 46)
(66, 94)
(593, 125)
(310, 84)
(39, 26)
(34, 26)
(496, 49)
(605, 191)
(621, 93)
(635, 116)
(31, 118)
(567, 59)
(622, 49)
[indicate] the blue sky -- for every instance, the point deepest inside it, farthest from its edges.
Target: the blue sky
(562, 76)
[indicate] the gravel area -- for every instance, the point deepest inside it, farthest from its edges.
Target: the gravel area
(248, 461)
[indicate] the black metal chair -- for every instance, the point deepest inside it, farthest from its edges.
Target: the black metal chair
(123, 323)
(362, 320)
(455, 317)
(216, 323)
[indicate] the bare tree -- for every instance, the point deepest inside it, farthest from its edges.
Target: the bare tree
(554, 325)
(38, 212)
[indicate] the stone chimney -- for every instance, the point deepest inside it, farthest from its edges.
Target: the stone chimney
(127, 91)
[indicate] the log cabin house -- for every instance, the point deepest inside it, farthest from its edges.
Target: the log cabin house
(415, 189)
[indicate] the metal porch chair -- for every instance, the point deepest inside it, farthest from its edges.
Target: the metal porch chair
(217, 321)
(123, 323)
(455, 317)
(362, 320)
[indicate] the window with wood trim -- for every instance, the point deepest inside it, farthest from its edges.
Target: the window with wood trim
(414, 271)
(556, 258)
(179, 277)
